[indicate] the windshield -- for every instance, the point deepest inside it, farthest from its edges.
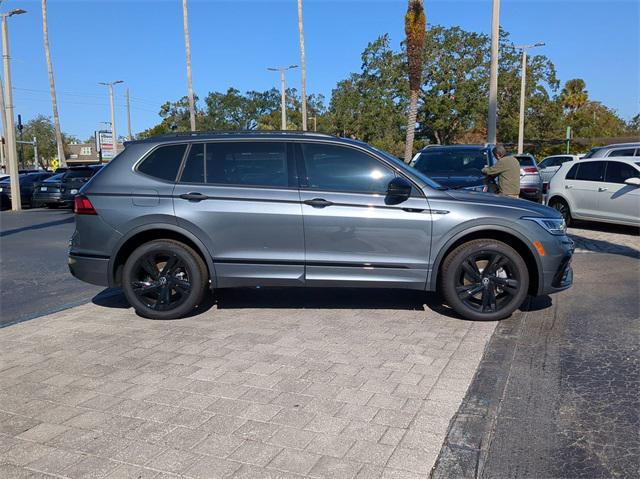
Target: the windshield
(80, 173)
(591, 153)
(433, 184)
(526, 161)
(54, 178)
(451, 162)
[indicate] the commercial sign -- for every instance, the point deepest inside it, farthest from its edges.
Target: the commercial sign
(104, 144)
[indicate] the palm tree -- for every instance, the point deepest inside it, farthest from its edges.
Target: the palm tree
(573, 95)
(52, 87)
(187, 48)
(414, 27)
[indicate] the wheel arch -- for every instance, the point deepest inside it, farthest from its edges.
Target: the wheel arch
(506, 235)
(146, 233)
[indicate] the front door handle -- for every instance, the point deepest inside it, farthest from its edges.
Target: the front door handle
(318, 203)
(602, 188)
(568, 187)
(193, 196)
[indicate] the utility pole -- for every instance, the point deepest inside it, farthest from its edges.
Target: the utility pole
(114, 137)
(3, 159)
(129, 136)
(187, 49)
(283, 92)
(303, 69)
(20, 128)
(523, 91)
(52, 87)
(16, 204)
(493, 79)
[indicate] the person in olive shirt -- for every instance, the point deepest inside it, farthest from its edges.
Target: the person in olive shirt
(507, 169)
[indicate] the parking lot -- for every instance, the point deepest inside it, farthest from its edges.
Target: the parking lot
(283, 383)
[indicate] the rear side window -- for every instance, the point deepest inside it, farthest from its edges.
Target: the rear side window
(572, 173)
(163, 163)
(618, 172)
(591, 171)
(261, 164)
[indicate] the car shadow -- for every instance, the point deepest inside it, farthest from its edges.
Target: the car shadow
(37, 227)
(313, 298)
(601, 246)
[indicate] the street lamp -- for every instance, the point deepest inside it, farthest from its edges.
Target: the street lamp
(283, 100)
(114, 137)
(523, 84)
(16, 204)
(493, 75)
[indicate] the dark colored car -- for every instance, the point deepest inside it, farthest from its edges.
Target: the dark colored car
(62, 191)
(27, 182)
(43, 189)
(174, 216)
(455, 166)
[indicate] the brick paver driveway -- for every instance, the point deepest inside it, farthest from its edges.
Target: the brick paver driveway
(322, 391)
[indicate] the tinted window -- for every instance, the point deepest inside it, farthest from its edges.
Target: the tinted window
(591, 171)
(623, 152)
(78, 173)
(617, 172)
(247, 164)
(564, 159)
(592, 153)
(572, 173)
(526, 161)
(336, 168)
(163, 162)
(547, 162)
(433, 162)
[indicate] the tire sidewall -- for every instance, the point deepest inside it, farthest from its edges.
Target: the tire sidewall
(453, 263)
(194, 268)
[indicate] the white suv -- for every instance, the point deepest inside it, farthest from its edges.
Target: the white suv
(605, 189)
(551, 164)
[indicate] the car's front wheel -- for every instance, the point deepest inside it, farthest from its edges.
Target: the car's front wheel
(484, 280)
(164, 279)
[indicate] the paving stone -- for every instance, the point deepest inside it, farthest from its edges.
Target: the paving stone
(138, 452)
(364, 431)
(370, 452)
(90, 467)
(218, 445)
(256, 430)
(211, 467)
(55, 461)
(183, 438)
(326, 424)
(336, 446)
(412, 460)
(389, 417)
(223, 424)
(43, 432)
(295, 461)
(128, 471)
(291, 438)
(362, 413)
(330, 467)
(173, 460)
(256, 453)
(25, 452)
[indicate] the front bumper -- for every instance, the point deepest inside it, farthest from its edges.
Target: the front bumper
(90, 269)
(557, 271)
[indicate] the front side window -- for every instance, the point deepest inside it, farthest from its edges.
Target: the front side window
(261, 164)
(338, 168)
(623, 152)
(163, 162)
(618, 172)
(591, 171)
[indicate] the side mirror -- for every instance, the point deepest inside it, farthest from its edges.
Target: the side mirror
(633, 181)
(398, 190)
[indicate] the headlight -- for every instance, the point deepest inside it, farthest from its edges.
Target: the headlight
(555, 226)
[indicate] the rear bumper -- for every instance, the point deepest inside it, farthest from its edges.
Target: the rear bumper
(90, 269)
(48, 199)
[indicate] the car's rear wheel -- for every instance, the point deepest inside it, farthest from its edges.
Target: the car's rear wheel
(164, 279)
(561, 207)
(484, 280)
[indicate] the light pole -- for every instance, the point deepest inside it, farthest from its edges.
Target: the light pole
(187, 51)
(283, 99)
(523, 89)
(129, 136)
(16, 204)
(303, 69)
(114, 137)
(493, 78)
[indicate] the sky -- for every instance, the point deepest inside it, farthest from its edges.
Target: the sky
(233, 43)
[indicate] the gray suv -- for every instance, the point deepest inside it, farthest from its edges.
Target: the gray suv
(172, 217)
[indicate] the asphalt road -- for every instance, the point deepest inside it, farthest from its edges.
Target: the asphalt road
(34, 277)
(556, 394)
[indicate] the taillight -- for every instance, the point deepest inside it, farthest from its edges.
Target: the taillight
(82, 206)
(530, 169)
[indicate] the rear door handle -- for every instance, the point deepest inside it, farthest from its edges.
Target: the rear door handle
(193, 196)
(413, 210)
(602, 188)
(568, 187)
(318, 203)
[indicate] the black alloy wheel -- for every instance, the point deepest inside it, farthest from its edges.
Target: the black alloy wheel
(484, 280)
(164, 279)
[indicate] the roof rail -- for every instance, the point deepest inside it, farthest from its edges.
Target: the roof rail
(240, 132)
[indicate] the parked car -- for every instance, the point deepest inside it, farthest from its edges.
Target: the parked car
(62, 191)
(43, 191)
(605, 190)
(174, 216)
(455, 166)
(530, 179)
(617, 149)
(551, 164)
(26, 181)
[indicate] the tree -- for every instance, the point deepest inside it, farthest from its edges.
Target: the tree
(414, 27)
(52, 87)
(573, 95)
(633, 126)
(43, 130)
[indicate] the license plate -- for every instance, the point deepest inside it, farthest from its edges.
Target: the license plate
(43, 188)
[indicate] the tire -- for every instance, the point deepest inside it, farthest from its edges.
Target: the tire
(157, 292)
(562, 207)
(492, 289)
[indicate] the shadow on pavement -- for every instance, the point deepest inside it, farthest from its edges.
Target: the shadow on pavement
(601, 246)
(37, 227)
(606, 227)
